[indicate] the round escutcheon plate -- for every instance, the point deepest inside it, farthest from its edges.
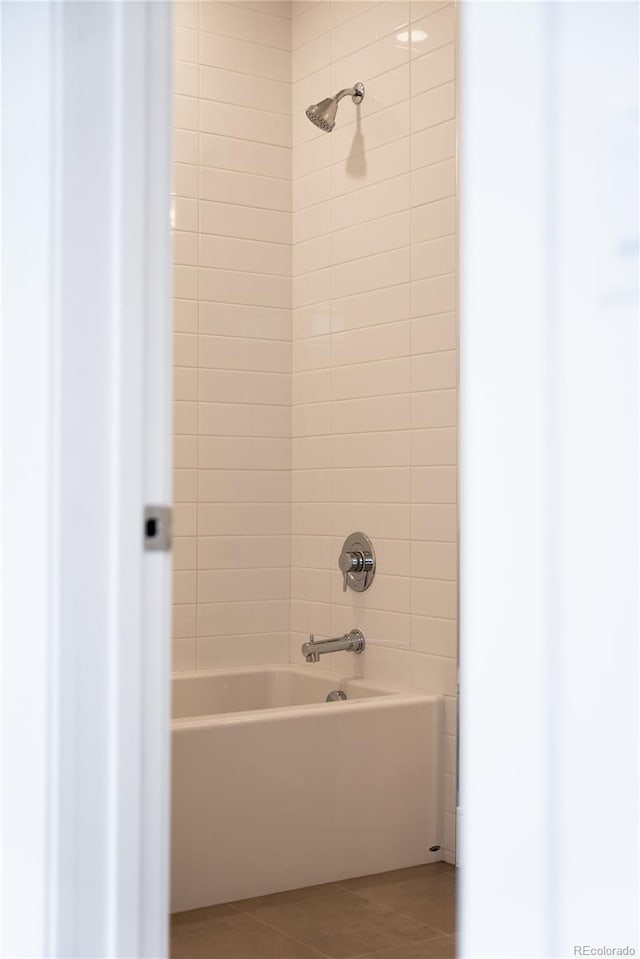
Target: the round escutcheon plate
(357, 562)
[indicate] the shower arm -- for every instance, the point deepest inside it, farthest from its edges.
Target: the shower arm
(356, 93)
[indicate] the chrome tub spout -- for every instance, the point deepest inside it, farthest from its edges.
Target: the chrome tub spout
(351, 642)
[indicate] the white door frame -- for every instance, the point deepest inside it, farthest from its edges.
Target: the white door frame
(86, 430)
(86, 353)
(549, 478)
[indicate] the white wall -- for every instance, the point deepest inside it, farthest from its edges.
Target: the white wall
(316, 362)
(374, 343)
(232, 289)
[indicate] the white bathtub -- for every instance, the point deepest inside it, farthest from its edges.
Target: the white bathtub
(274, 788)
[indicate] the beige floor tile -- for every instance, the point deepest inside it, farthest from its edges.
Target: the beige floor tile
(436, 872)
(405, 914)
(229, 934)
(425, 893)
(335, 921)
(208, 914)
(444, 947)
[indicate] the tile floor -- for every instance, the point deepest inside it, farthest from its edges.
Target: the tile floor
(407, 914)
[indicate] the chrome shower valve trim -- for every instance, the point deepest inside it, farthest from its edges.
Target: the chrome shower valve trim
(357, 562)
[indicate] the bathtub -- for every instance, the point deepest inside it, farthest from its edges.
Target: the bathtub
(273, 788)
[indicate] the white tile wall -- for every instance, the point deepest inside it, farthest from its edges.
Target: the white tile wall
(315, 323)
(374, 331)
(232, 254)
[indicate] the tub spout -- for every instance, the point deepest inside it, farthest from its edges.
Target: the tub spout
(310, 655)
(352, 642)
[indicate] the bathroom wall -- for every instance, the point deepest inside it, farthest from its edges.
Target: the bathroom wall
(232, 288)
(315, 327)
(374, 342)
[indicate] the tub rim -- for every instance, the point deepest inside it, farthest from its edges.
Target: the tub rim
(390, 696)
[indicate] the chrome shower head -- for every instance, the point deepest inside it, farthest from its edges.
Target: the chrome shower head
(323, 114)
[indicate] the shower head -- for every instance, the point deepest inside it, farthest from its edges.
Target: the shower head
(323, 114)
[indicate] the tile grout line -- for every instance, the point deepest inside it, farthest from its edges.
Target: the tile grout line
(292, 499)
(380, 954)
(341, 884)
(198, 352)
(397, 912)
(277, 929)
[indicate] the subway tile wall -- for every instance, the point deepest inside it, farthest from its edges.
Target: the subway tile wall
(232, 287)
(316, 365)
(374, 343)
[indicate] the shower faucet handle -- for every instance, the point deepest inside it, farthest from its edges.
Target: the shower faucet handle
(350, 563)
(357, 562)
